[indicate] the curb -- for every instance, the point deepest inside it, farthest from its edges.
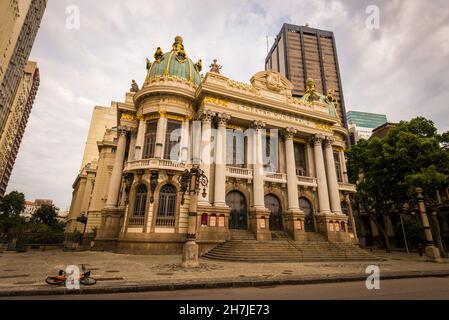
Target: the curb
(220, 283)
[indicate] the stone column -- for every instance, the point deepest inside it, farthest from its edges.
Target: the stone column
(132, 145)
(332, 181)
(220, 161)
(323, 194)
(258, 172)
(292, 180)
(258, 212)
(116, 176)
(185, 135)
(206, 134)
(140, 139)
(160, 135)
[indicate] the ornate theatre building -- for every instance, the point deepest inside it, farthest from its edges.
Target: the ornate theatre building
(274, 163)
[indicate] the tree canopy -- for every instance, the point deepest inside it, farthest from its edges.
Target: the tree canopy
(388, 170)
(10, 208)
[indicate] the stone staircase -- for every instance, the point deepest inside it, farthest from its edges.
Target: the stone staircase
(283, 249)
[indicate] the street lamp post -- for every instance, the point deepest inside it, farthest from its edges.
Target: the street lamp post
(432, 252)
(191, 182)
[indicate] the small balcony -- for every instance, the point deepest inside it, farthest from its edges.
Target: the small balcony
(241, 173)
(155, 164)
(307, 181)
(275, 177)
(349, 187)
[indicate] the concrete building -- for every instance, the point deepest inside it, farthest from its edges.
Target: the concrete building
(302, 52)
(274, 163)
(362, 124)
(19, 26)
(32, 206)
(16, 122)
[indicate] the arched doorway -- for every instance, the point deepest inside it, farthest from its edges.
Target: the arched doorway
(272, 203)
(238, 218)
(306, 206)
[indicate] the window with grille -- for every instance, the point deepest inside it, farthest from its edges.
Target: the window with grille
(167, 201)
(140, 201)
(300, 159)
(172, 139)
(150, 139)
(338, 166)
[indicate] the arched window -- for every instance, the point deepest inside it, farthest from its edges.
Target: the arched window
(167, 201)
(137, 217)
(342, 226)
(140, 201)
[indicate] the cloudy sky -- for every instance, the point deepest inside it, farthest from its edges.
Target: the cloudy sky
(400, 69)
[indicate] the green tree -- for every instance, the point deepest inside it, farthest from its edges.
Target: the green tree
(388, 170)
(10, 208)
(46, 214)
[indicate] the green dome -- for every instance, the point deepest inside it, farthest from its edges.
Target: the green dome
(175, 63)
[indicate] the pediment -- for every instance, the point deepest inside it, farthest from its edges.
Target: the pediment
(272, 81)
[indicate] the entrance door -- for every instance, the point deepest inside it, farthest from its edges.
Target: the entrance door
(238, 218)
(272, 203)
(305, 206)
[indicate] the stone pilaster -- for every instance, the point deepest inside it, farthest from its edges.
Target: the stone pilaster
(140, 139)
(116, 175)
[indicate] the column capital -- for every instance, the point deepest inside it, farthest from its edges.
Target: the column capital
(317, 139)
(223, 118)
(206, 116)
(257, 125)
(289, 132)
(123, 131)
(328, 141)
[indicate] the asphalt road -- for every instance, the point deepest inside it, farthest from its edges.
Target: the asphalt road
(416, 288)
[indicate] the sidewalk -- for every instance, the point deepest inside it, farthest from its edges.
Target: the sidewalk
(24, 273)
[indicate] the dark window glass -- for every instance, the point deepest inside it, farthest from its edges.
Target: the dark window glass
(338, 166)
(235, 148)
(300, 159)
(172, 141)
(150, 139)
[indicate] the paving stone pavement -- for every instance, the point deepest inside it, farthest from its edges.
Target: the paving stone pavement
(27, 271)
